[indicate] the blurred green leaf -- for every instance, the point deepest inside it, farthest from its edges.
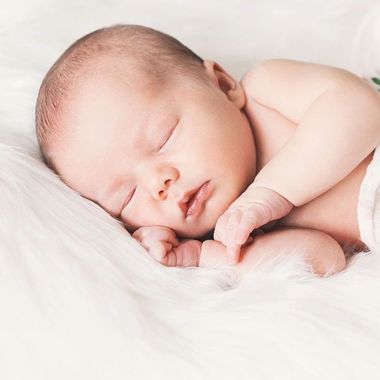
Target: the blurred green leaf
(376, 80)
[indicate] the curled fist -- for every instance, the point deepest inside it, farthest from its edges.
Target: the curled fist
(254, 208)
(162, 244)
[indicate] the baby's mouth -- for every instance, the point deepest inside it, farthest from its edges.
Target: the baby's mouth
(194, 200)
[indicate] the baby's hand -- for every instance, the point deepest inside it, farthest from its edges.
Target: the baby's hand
(256, 207)
(162, 244)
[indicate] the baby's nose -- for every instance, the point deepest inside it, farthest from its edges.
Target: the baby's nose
(161, 183)
(162, 191)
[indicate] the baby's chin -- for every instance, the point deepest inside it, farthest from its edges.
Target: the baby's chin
(199, 231)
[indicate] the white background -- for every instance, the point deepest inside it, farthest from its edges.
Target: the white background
(236, 33)
(80, 299)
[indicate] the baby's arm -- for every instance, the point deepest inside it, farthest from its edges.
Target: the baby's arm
(322, 252)
(338, 124)
(337, 115)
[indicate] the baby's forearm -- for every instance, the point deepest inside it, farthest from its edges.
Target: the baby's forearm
(321, 251)
(335, 134)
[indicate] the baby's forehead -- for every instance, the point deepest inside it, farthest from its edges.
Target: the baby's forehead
(109, 102)
(98, 84)
(129, 72)
(110, 114)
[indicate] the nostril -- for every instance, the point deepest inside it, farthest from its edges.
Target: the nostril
(161, 194)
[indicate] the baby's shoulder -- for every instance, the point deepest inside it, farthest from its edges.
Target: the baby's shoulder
(282, 70)
(290, 86)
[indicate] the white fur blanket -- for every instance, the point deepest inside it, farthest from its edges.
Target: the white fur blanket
(80, 299)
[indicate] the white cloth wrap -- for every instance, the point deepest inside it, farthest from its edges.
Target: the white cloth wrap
(369, 204)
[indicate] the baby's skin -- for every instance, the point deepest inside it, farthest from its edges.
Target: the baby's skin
(330, 141)
(288, 135)
(320, 251)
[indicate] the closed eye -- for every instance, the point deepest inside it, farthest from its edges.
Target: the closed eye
(166, 140)
(127, 201)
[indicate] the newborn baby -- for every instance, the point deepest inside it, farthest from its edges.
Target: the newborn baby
(181, 152)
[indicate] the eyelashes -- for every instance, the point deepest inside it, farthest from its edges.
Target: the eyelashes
(166, 140)
(128, 200)
(164, 144)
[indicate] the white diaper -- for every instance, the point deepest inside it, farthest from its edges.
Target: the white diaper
(369, 204)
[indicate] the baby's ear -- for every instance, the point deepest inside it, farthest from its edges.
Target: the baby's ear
(226, 83)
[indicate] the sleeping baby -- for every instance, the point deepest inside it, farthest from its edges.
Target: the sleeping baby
(205, 170)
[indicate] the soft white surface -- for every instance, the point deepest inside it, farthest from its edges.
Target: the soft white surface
(79, 299)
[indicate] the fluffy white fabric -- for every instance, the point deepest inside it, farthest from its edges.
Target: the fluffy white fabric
(80, 299)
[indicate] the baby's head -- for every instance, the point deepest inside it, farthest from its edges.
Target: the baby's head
(134, 121)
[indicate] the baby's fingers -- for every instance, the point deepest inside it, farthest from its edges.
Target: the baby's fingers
(148, 236)
(238, 226)
(248, 223)
(226, 226)
(233, 251)
(159, 250)
(233, 254)
(187, 253)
